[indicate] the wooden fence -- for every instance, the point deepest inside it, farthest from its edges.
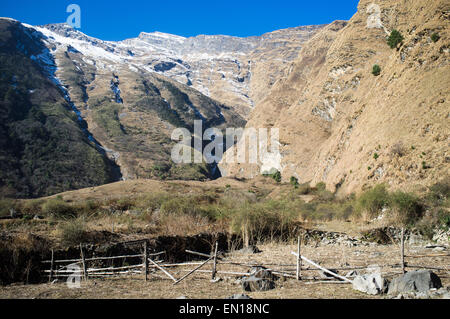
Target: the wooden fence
(150, 263)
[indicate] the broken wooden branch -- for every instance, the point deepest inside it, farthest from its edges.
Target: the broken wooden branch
(198, 254)
(322, 268)
(193, 270)
(162, 269)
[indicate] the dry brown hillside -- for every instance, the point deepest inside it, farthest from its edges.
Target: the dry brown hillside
(342, 125)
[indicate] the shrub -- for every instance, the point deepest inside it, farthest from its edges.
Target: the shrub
(373, 200)
(408, 207)
(376, 70)
(294, 181)
(435, 37)
(444, 219)
(58, 208)
(321, 186)
(265, 221)
(376, 156)
(394, 39)
(303, 189)
(441, 190)
(189, 205)
(275, 175)
(74, 232)
(32, 206)
(6, 205)
(398, 149)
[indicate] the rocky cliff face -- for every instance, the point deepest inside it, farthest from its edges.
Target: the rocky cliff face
(236, 71)
(344, 126)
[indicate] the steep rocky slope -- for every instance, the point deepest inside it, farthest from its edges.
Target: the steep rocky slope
(344, 126)
(121, 117)
(43, 149)
(235, 71)
(130, 110)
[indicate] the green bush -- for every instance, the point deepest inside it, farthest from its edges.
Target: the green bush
(373, 200)
(189, 205)
(376, 70)
(394, 39)
(321, 186)
(294, 181)
(58, 208)
(303, 189)
(407, 205)
(275, 175)
(444, 219)
(435, 37)
(32, 206)
(6, 205)
(74, 232)
(265, 221)
(439, 191)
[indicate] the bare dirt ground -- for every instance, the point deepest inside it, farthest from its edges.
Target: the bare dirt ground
(198, 286)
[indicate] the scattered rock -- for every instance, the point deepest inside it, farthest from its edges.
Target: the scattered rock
(262, 273)
(217, 279)
(326, 275)
(442, 237)
(37, 217)
(239, 296)
(415, 281)
(442, 293)
(261, 279)
(257, 284)
(372, 284)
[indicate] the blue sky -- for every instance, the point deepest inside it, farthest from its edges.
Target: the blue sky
(118, 20)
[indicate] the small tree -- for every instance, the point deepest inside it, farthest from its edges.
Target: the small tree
(277, 176)
(435, 37)
(294, 181)
(394, 39)
(376, 70)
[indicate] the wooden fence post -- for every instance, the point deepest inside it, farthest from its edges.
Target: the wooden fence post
(215, 261)
(299, 259)
(403, 250)
(145, 260)
(50, 276)
(83, 260)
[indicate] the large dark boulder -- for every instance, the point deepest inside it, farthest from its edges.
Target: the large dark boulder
(415, 281)
(260, 279)
(257, 284)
